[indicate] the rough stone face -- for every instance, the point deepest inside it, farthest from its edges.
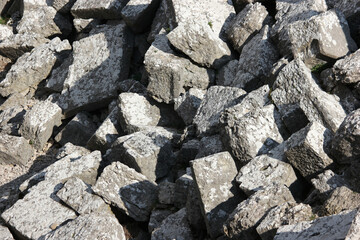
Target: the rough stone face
(307, 149)
(256, 60)
(78, 131)
(43, 20)
(128, 190)
(246, 24)
(246, 217)
(100, 62)
(214, 178)
(264, 171)
(332, 227)
(341, 199)
(107, 133)
(166, 193)
(210, 145)
(96, 225)
(186, 105)
(16, 45)
(252, 134)
(31, 68)
(169, 74)
(63, 6)
(227, 73)
(138, 14)
(182, 186)
(58, 75)
(284, 214)
(300, 100)
(216, 99)
(199, 42)
(85, 25)
(345, 145)
(39, 123)
(347, 70)
(156, 218)
(6, 32)
(5, 233)
(107, 9)
(347, 7)
(174, 226)
(14, 150)
(148, 152)
(80, 197)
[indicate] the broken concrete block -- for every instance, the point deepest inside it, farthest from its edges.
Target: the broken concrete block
(128, 190)
(107, 9)
(14, 150)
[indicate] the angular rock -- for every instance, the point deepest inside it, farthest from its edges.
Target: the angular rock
(69, 148)
(347, 70)
(284, 214)
(166, 193)
(214, 178)
(264, 171)
(186, 105)
(199, 42)
(256, 60)
(347, 7)
(5, 233)
(14, 150)
(100, 62)
(107, 133)
(6, 32)
(78, 131)
(300, 100)
(58, 75)
(227, 73)
(345, 145)
(133, 86)
(39, 123)
(80, 197)
(217, 98)
(85, 25)
(188, 151)
(128, 190)
(63, 6)
(209, 146)
(16, 45)
(170, 74)
(96, 225)
(174, 226)
(107, 9)
(333, 227)
(252, 134)
(307, 150)
(31, 68)
(138, 14)
(156, 218)
(182, 186)
(248, 214)
(246, 24)
(11, 119)
(148, 152)
(341, 199)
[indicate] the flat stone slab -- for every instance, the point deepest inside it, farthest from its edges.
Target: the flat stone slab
(14, 150)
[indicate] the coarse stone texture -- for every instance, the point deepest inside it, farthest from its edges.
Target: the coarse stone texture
(128, 190)
(39, 123)
(188, 151)
(69, 148)
(210, 145)
(214, 178)
(107, 9)
(14, 150)
(138, 14)
(16, 45)
(300, 100)
(332, 227)
(43, 20)
(172, 13)
(347, 7)
(256, 60)
(246, 24)
(226, 75)
(169, 74)
(156, 218)
(56, 80)
(5, 64)
(107, 133)
(80, 197)
(307, 150)
(78, 131)
(63, 6)
(100, 62)
(31, 68)
(85, 25)
(149, 152)
(216, 99)
(317, 39)
(341, 199)
(174, 226)
(6, 32)
(166, 193)
(345, 145)
(252, 134)
(182, 186)
(199, 42)
(47, 211)
(264, 171)
(186, 105)
(95, 225)
(5, 233)
(284, 214)
(347, 70)
(248, 214)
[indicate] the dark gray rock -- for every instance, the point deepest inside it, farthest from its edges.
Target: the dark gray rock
(11, 119)
(156, 218)
(341, 199)
(226, 75)
(182, 186)
(210, 145)
(347, 7)
(107, 9)
(216, 99)
(166, 193)
(14, 150)
(58, 75)
(128, 190)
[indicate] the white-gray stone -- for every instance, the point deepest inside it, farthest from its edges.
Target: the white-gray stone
(62, 6)
(227, 73)
(327, 181)
(5, 233)
(14, 150)
(347, 70)
(5, 32)
(105, 9)
(58, 75)
(85, 25)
